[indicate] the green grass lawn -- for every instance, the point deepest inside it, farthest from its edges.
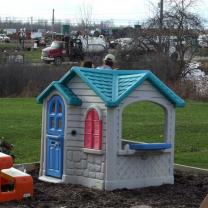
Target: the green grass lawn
(191, 141)
(20, 124)
(13, 46)
(33, 56)
(192, 134)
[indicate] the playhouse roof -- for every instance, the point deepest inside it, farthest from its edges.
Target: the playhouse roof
(112, 86)
(70, 97)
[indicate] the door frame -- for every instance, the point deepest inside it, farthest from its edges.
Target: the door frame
(56, 134)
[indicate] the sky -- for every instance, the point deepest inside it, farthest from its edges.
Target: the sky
(122, 12)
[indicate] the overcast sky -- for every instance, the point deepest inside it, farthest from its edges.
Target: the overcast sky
(123, 12)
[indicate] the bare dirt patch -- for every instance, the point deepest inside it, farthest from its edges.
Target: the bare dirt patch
(188, 191)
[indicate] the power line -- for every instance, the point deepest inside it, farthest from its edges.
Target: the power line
(71, 21)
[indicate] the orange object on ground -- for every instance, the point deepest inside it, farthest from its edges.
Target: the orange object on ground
(6, 161)
(21, 183)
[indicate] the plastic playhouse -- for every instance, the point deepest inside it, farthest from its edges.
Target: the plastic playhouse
(15, 184)
(82, 139)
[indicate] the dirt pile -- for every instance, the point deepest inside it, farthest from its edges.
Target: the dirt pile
(188, 191)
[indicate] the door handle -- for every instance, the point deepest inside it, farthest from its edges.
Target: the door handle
(53, 136)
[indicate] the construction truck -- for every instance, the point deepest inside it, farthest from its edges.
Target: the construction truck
(74, 49)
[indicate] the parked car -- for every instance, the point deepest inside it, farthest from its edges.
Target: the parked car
(120, 42)
(4, 38)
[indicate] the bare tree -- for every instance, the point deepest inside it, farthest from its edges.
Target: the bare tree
(180, 30)
(186, 27)
(85, 17)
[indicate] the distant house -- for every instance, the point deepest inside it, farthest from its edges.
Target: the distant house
(36, 35)
(10, 31)
(81, 130)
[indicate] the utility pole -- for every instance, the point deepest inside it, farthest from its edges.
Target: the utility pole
(52, 25)
(31, 24)
(161, 21)
(161, 14)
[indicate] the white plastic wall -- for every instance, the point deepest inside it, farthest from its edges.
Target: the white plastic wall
(128, 169)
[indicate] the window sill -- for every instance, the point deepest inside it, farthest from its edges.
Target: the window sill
(92, 151)
(128, 152)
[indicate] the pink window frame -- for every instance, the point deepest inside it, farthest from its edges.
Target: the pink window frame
(93, 130)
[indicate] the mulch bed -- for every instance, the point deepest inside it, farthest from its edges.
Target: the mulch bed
(188, 191)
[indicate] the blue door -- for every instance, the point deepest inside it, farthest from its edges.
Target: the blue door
(55, 137)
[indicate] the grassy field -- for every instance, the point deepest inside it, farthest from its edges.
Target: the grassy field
(20, 124)
(13, 45)
(191, 143)
(192, 135)
(32, 55)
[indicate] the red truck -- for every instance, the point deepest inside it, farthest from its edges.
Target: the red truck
(58, 51)
(73, 50)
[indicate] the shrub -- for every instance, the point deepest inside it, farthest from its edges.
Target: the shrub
(160, 64)
(167, 70)
(6, 147)
(27, 80)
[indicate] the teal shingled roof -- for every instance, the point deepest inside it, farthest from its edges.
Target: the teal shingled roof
(112, 86)
(69, 96)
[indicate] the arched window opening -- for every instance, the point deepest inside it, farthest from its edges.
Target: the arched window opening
(93, 130)
(55, 115)
(144, 122)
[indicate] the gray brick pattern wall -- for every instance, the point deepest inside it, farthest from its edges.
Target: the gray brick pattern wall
(79, 163)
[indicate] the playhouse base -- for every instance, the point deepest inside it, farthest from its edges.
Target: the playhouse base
(110, 185)
(87, 182)
(135, 183)
(50, 179)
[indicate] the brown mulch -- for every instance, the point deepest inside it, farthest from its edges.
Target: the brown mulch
(188, 191)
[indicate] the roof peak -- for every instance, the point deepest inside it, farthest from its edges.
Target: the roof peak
(113, 86)
(111, 71)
